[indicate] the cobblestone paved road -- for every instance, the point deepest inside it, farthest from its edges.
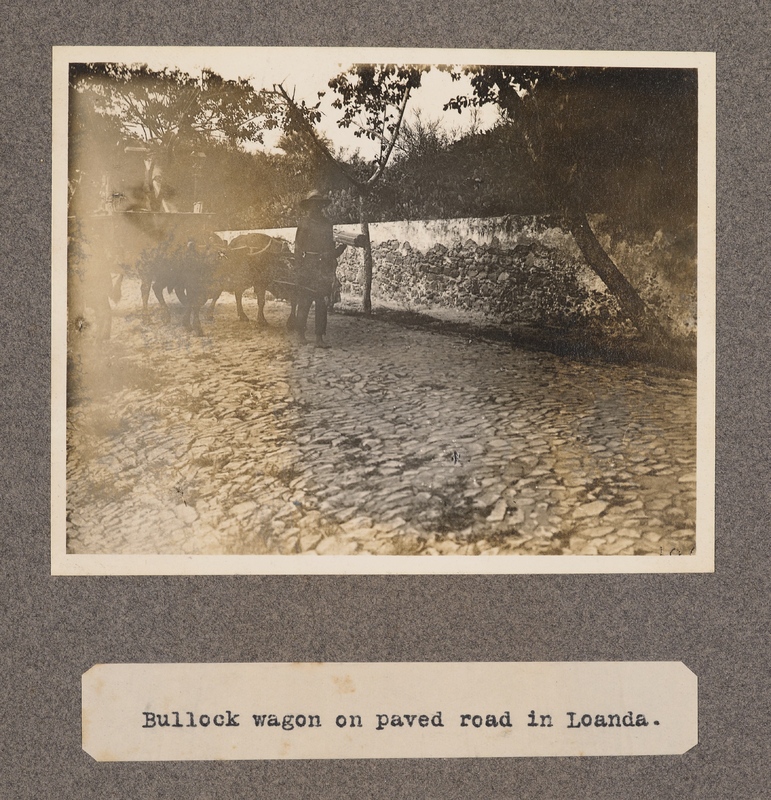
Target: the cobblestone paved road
(394, 441)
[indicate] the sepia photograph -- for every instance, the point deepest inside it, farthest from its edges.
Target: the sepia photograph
(452, 310)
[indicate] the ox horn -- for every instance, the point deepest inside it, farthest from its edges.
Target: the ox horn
(254, 251)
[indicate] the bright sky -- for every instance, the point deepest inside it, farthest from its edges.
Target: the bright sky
(307, 71)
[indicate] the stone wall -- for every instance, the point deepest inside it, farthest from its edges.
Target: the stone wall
(521, 272)
(507, 271)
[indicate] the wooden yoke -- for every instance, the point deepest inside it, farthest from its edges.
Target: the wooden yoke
(350, 239)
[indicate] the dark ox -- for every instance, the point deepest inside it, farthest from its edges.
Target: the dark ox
(265, 264)
(210, 270)
(177, 268)
(205, 266)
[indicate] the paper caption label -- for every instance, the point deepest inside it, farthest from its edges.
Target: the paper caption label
(161, 712)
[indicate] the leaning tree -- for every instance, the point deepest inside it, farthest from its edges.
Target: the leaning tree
(616, 141)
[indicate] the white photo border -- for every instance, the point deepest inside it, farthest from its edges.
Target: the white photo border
(702, 560)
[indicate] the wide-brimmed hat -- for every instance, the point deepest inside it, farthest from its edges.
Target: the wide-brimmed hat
(315, 197)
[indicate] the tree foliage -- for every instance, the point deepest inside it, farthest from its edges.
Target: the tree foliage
(372, 98)
(616, 141)
(169, 108)
(173, 119)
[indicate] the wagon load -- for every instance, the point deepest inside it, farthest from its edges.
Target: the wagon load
(350, 239)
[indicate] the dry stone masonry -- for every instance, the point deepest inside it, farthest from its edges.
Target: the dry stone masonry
(514, 271)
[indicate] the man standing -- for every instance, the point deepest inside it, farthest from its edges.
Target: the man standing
(316, 260)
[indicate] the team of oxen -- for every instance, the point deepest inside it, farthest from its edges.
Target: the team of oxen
(177, 255)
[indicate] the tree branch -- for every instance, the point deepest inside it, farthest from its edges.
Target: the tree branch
(310, 132)
(394, 136)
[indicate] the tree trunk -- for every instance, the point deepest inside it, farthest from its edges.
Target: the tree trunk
(367, 297)
(632, 305)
